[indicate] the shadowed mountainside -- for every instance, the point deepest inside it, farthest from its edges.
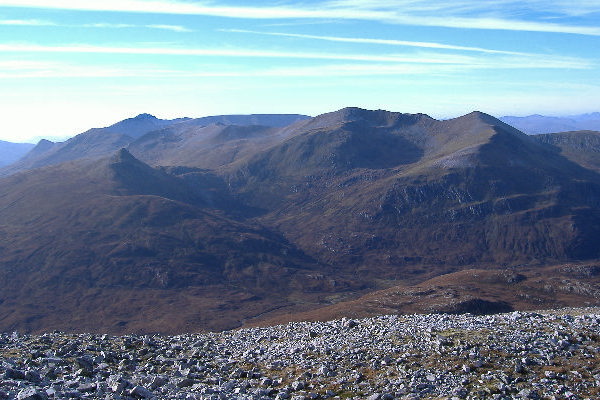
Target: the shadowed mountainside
(582, 147)
(116, 228)
(208, 226)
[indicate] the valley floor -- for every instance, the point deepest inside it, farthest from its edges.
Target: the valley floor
(518, 355)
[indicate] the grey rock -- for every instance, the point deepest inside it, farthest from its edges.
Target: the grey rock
(158, 381)
(185, 382)
(31, 394)
(141, 392)
(349, 323)
(11, 373)
(87, 388)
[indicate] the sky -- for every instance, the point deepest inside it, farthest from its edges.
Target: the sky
(70, 65)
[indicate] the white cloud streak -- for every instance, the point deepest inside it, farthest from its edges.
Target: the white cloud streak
(424, 59)
(390, 42)
(316, 71)
(520, 61)
(469, 7)
(14, 69)
(26, 22)
(104, 25)
(174, 28)
(456, 14)
(373, 66)
(32, 69)
(498, 24)
(100, 25)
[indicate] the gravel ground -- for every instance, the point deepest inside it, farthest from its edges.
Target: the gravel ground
(519, 355)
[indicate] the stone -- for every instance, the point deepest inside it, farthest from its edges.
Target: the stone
(33, 376)
(158, 381)
(87, 387)
(349, 323)
(141, 392)
(389, 356)
(31, 394)
(11, 373)
(86, 363)
(185, 382)
(550, 374)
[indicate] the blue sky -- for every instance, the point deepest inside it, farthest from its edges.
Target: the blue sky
(68, 65)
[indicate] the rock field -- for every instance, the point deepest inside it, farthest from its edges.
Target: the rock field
(519, 355)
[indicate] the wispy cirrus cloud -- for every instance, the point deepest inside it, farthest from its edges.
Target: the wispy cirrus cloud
(493, 14)
(390, 42)
(18, 70)
(469, 7)
(174, 28)
(103, 25)
(232, 52)
(497, 24)
(100, 25)
(107, 25)
(351, 64)
(26, 22)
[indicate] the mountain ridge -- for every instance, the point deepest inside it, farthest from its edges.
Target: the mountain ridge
(208, 226)
(539, 124)
(100, 142)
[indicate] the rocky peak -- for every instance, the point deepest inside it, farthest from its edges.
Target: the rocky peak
(123, 156)
(145, 116)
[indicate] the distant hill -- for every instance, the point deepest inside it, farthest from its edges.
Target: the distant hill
(273, 120)
(11, 152)
(537, 124)
(100, 142)
(214, 225)
(140, 125)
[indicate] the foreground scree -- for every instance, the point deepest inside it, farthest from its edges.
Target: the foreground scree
(516, 355)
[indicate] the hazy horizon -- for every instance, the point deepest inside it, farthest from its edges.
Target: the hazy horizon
(72, 65)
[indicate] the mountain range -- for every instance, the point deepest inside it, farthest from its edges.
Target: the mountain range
(536, 124)
(182, 225)
(101, 142)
